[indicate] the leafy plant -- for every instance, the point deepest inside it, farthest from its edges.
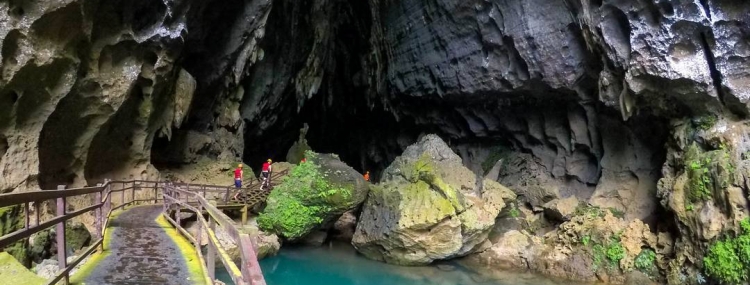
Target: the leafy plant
(617, 213)
(705, 122)
(513, 212)
(615, 252)
(585, 240)
(729, 260)
(645, 261)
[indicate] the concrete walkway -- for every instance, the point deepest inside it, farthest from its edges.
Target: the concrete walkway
(141, 248)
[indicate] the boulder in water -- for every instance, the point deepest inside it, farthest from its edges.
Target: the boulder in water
(428, 207)
(313, 194)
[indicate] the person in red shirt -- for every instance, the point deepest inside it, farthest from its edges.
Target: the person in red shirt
(266, 170)
(304, 159)
(367, 176)
(238, 176)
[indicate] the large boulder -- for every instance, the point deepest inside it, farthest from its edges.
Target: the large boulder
(428, 207)
(314, 194)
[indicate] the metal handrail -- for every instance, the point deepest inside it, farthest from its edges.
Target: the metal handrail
(249, 271)
(103, 210)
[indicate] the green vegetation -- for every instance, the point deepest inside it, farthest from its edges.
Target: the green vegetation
(592, 211)
(705, 122)
(607, 250)
(615, 251)
(729, 260)
(424, 170)
(617, 213)
(706, 170)
(585, 240)
(12, 219)
(13, 272)
(514, 212)
(645, 261)
(496, 154)
(301, 201)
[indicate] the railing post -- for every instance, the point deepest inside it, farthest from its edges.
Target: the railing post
(132, 195)
(37, 209)
(107, 206)
(27, 218)
(98, 211)
(226, 196)
(156, 192)
(211, 251)
(122, 195)
(60, 235)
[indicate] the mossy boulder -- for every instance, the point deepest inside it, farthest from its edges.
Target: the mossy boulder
(428, 207)
(313, 194)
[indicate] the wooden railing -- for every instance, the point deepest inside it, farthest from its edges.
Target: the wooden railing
(113, 195)
(177, 198)
(102, 208)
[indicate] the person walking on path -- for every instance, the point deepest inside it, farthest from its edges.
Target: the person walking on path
(367, 176)
(265, 173)
(238, 176)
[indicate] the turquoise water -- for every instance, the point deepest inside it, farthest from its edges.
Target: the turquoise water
(338, 264)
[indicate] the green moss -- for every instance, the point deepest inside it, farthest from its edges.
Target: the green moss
(13, 272)
(11, 220)
(728, 261)
(706, 171)
(424, 170)
(302, 200)
(705, 122)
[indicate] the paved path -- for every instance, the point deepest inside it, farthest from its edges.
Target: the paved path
(140, 251)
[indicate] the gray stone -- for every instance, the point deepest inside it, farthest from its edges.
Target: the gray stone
(428, 207)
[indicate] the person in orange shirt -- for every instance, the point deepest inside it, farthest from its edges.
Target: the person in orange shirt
(367, 176)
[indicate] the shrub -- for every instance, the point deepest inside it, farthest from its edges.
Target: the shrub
(615, 252)
(729, 260)
(645, 261)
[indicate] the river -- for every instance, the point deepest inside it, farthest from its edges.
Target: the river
(339, 264)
